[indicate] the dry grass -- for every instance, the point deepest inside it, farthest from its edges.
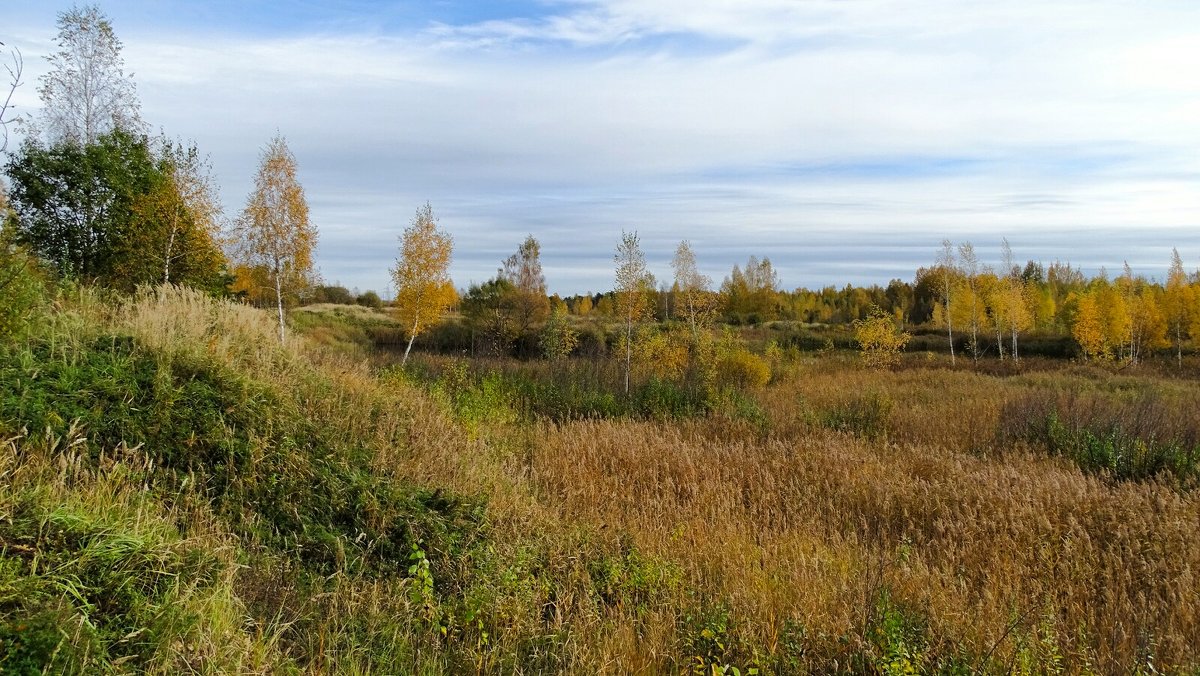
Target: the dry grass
(810, 529)
(1007, 554)
(623, 546)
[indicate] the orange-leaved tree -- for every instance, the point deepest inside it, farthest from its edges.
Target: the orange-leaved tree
(274, 228)
(422, 275)
(524, 271)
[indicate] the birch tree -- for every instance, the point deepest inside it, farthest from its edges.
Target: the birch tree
(177, 238)
(694, 298)
(632, 290)
(422, 275)
(523, 270)
(274, 226)
(972, 307)
(14, 69)
(86, 93)
(1015, 308)
(945, 261)
(1177, 302)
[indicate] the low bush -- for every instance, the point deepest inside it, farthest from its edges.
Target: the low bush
(741, 369)
(864, 415)
(22, 286)
(1132, 435)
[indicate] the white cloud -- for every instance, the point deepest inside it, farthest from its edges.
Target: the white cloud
(753, 127)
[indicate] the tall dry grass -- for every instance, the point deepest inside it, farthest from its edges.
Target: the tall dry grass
(995, 553)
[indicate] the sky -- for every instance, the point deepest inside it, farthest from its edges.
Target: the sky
(842, 139)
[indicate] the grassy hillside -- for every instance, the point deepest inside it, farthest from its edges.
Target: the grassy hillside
(180, 493)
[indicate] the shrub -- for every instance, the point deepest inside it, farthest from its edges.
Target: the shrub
(338, 295)
(863, 415)
(1127, 437)
(22, 290)
(741, 369)
(880, 339)
(370, 299)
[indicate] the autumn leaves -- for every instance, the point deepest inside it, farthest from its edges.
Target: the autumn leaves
(422, 275)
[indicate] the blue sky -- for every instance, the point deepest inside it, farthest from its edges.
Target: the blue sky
(843, 139)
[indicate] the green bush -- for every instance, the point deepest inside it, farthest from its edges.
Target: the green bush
(370, 299)
(1128, 436)
(865, 416)
(23, 289)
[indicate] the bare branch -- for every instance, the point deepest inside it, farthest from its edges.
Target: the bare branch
(14, 71)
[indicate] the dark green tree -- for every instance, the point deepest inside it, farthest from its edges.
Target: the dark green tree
(114, 212)
(74, 203)
(490, 311)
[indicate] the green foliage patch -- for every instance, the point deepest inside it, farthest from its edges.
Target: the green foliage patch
(1129, 435)
(272, 472)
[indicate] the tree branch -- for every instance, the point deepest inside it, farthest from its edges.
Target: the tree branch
(14, 71)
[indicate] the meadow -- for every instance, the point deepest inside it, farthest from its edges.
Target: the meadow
(183, 494)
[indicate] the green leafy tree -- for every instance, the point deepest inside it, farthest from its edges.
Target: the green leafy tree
(75, 204)
(488, 311)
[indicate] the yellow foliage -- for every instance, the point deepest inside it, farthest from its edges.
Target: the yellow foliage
(742, 369)
(880, 339)
(422, 274)
(1088, 330)
(274, 230)
(662, 354)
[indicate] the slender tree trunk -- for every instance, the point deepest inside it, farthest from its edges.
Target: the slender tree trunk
(999, 339)
(950, 329)
(628, 350)
(1179, 344)
(691, 305)
(412, 336)
(1015, 356)
(974, 329)
(279, 303)
(167, 257)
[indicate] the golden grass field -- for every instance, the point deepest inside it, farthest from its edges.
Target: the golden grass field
(862, 522)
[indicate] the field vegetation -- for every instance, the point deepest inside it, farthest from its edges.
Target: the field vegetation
(183, 493)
